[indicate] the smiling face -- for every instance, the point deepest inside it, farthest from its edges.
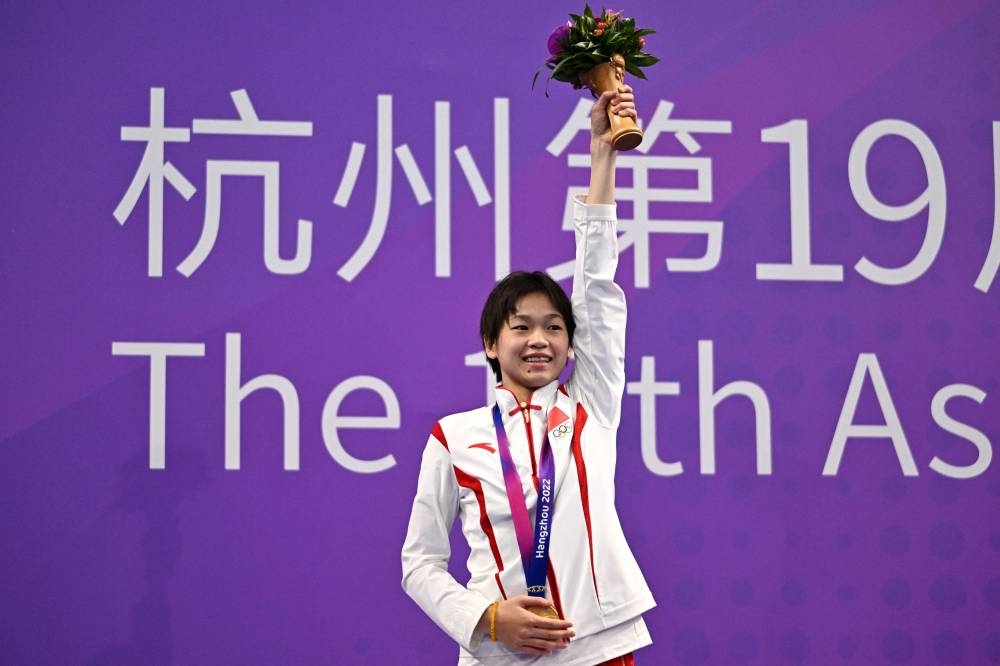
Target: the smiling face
(532, 347)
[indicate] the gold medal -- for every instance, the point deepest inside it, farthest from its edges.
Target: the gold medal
(547, 611)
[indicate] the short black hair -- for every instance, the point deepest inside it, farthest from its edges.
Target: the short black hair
(502, 303)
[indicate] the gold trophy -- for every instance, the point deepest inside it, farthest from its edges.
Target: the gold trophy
(626, 135)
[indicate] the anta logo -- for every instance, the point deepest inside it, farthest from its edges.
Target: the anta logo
(484, 446)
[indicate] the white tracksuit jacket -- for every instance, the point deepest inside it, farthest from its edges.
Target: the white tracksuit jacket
(594, 580)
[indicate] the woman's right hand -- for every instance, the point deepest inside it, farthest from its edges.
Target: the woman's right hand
(521, 630)
(620, 102)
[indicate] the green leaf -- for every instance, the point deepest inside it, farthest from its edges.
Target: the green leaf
(535, 77)
(565, 64)
(633, 69)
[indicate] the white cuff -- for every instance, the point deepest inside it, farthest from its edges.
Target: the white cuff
(583, 211)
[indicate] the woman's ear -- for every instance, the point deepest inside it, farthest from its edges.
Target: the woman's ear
(490, 349)
(569, 354)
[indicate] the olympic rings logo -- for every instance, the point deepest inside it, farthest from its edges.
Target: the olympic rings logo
(561, 430)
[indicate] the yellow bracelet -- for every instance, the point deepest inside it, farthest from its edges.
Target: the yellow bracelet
(493, 620)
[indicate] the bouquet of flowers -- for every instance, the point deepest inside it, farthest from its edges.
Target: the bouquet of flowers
(586, 41)
(596, 51)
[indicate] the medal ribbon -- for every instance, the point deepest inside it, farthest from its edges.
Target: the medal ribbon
(534, 544)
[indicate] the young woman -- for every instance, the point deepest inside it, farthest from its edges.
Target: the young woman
(553, 580)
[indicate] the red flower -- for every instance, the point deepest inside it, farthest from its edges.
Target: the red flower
(642, 42)
(598, 32)
(601, 25)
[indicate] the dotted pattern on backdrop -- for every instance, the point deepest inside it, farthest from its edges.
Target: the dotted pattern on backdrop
(923, 576)
(944, 593)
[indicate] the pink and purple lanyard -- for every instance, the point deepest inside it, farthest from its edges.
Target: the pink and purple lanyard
(534, 547)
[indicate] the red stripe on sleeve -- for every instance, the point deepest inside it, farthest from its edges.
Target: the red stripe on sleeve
(439, 435)
(503, 593)
(466, 480)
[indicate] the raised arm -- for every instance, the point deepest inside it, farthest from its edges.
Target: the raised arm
(599, 303)
(602, 152)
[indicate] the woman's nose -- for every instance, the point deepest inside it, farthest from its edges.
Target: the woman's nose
(537, 339)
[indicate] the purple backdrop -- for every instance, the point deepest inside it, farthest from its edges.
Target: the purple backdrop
(834, 544)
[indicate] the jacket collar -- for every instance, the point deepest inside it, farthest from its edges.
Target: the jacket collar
(540, 402)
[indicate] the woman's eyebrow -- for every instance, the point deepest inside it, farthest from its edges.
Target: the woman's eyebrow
(554, 315)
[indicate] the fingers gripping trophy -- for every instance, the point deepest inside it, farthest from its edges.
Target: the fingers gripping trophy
(595, 52)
